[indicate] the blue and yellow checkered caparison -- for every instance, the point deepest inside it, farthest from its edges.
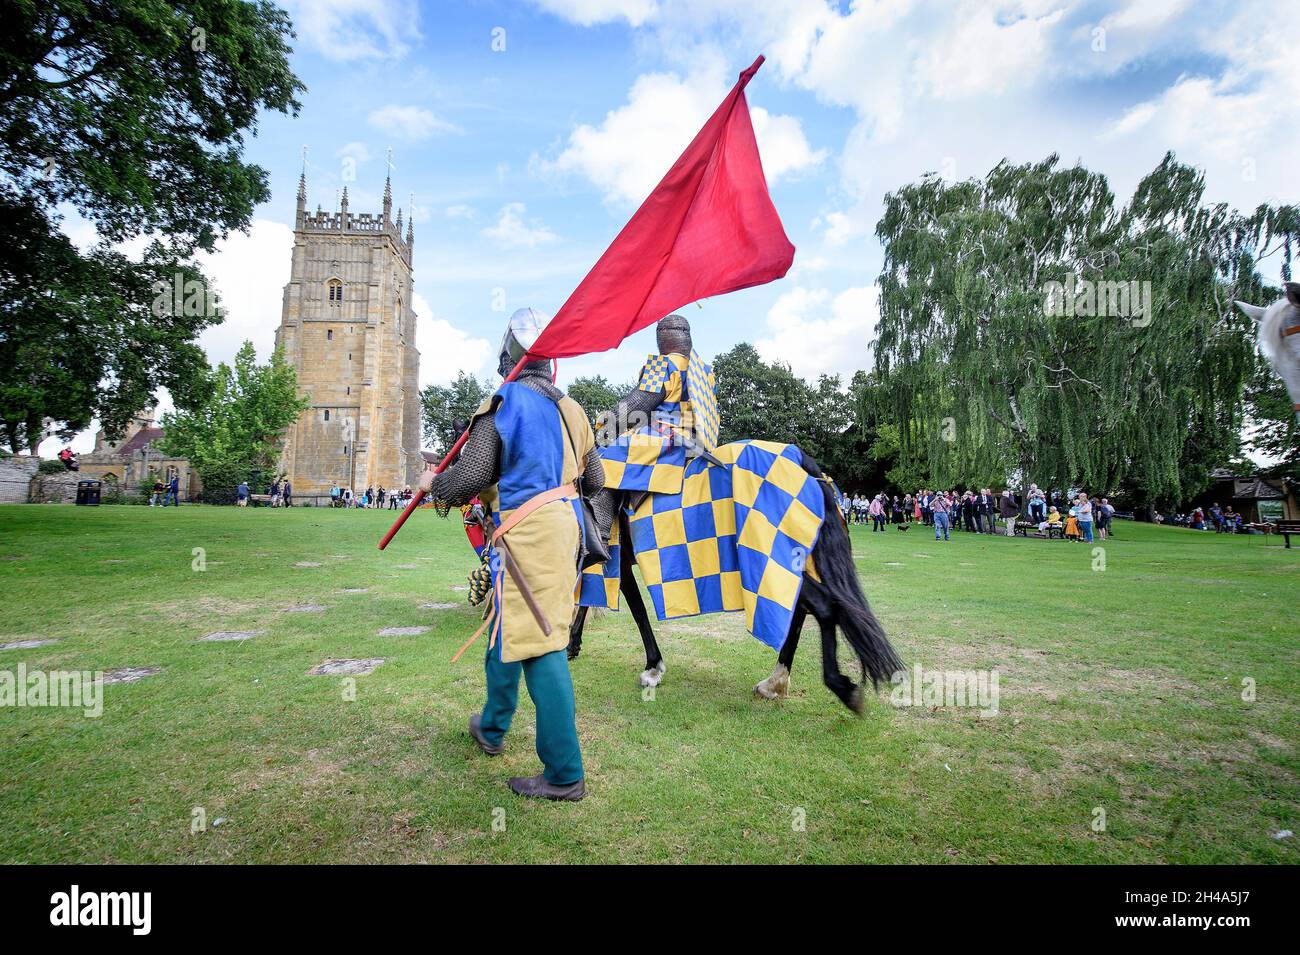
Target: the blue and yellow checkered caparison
(737, 538)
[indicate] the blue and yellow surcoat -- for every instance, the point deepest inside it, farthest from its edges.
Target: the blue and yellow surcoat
(652, 457)
(537, 456)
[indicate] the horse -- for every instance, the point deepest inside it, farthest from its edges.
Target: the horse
(836, 600)
(1279, 338)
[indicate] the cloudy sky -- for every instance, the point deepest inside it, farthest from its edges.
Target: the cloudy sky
(527, 131)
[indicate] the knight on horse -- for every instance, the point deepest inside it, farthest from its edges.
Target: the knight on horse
(670, 418)
(738, 527)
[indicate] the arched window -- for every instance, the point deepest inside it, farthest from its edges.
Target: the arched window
(399, 317)
(329, 335)
(327, 414)
(335, 291)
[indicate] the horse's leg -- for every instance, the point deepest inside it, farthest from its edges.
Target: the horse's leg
(778, 684)
(575, 631)
(850, 693)
(653, 673)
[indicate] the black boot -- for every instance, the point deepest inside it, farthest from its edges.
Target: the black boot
(479, 738)
(536, 787)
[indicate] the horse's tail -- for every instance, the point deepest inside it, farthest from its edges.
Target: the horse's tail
(833, 560)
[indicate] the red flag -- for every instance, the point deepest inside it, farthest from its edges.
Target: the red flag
(709, 227)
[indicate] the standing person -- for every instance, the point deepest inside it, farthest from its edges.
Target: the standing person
(173, 491)
(939, 515)
(380, 497)
(334, 495)
(528, 443)
(1104, 513)
(159, 489)
(874, 509)
(984, 511)
(241, 494)
(916, 507)
(896, 511)
(968, 509)
(1083, 513)
(1009, 510)
(287, 492)
(275, 493)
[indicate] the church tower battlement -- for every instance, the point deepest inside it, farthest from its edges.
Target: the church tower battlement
(348, 328)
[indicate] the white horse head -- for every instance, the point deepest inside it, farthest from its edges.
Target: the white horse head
(1279, 338)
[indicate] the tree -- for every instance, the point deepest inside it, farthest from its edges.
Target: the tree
(236, 434)
(80, 336)
(596, 394)
(443, 407)
(134, 113)
(1030, 327)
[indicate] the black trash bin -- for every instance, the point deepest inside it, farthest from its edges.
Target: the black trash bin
(88, 493)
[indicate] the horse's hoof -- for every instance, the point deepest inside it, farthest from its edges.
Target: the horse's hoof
(775, 686)
(855, 700)
(653, 676)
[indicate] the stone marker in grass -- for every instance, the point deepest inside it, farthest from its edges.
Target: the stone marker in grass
(436, 606)
(25, 644)
(306, 608)
(222, 636)
(355, 590)
(403, 631)
(346, 667)
(307, 563)
(128, 674)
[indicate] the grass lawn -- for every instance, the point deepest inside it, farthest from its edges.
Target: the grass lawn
(1121, 690)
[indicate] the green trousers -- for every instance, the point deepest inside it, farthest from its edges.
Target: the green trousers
(551, 690)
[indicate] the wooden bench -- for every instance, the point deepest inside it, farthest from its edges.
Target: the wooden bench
(256, 499)
(1286, 529)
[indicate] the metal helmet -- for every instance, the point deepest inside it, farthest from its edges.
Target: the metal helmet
(673, 335)
(522, 331)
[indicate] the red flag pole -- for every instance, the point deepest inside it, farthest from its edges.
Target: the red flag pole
(442, 466)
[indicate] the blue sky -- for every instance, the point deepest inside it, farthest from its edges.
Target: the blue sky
(525, 161)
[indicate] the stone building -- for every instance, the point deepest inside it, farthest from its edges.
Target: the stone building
(134, 461)
(348, 329)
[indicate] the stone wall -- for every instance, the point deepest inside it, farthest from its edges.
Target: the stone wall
(55, 488)
(16, 473)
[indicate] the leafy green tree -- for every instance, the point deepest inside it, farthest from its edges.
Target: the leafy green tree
(236, 434)
(596, 394)
(442, 407)
(1013, 341)
(134, 113)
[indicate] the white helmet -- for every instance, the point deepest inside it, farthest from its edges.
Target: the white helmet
(522, 332)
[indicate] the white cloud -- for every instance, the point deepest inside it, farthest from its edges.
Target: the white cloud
(413, 123)
(983, 53)
(816, 332)
(460, 211)
(512, 232)
(446, 350)
(628, 153)
(357, 29)
(590, 12)
(358, 151)
(249, 273)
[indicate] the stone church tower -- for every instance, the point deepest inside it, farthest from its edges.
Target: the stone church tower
(349, 330)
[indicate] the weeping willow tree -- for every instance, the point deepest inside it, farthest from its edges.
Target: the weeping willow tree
(1031, 326)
